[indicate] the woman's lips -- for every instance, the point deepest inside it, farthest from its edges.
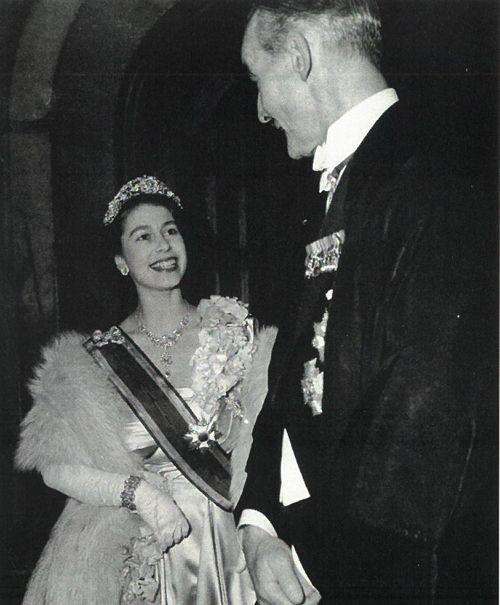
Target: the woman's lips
(168, 264)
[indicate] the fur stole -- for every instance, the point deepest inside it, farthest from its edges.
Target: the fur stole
(77, 414)
(78, 417)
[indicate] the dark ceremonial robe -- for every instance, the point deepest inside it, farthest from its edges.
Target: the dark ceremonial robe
(397, 465)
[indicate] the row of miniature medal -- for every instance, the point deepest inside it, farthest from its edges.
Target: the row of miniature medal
(322, 256)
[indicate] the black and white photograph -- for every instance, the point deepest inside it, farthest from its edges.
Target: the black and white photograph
(249, 302)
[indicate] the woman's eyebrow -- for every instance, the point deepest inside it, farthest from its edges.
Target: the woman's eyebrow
(138, 228)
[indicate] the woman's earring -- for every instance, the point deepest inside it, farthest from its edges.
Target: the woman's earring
(124, 270)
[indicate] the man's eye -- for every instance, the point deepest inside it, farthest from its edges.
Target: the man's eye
(144, 237)
(173, 231)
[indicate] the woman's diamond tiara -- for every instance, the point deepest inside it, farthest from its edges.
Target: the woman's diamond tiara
(138, 186)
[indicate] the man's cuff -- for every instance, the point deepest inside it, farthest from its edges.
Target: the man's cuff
(249, 516)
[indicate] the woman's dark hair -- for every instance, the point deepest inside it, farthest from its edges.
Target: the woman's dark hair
(113, 231)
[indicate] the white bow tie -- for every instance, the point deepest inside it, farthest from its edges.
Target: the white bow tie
(329, 179)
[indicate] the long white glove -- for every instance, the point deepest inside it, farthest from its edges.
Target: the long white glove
(162, 514)
(100, 488)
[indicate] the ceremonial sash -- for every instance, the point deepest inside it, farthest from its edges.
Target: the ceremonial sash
(162, 411)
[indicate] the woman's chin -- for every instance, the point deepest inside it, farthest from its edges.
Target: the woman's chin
(164, 283)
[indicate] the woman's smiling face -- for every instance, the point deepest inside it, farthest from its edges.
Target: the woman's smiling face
(152, 248)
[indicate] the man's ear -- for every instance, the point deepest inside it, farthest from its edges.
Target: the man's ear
(300, 51)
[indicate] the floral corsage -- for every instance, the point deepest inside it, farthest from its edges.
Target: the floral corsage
(140, 574)
(219, 365)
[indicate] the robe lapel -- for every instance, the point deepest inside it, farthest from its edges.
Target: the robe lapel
(373, 166)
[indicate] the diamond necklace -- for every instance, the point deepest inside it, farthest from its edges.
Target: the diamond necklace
(165, 341)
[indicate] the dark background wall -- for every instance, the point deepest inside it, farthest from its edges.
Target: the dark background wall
(93, 92)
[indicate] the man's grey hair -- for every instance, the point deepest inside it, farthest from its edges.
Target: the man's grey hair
(353, 23)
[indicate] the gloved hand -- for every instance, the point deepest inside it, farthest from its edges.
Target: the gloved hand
(162, 514)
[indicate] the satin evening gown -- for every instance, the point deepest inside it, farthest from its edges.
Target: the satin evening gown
(201, 570)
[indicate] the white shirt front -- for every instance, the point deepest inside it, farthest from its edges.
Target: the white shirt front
(343, 138)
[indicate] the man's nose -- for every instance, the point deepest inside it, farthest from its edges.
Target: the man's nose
(264, 118)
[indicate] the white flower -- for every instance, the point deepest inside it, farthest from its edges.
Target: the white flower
(138, 581)
(312, 387)
(319, 336)
(219, 363)
(222, 310)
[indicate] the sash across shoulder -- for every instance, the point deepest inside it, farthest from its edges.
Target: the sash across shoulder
(162, 411)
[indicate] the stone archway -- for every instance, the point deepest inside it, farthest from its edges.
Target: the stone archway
(69, 67)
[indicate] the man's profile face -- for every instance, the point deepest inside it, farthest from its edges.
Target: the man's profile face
(283, 98)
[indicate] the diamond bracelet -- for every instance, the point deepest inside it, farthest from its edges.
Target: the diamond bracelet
(128, 493)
